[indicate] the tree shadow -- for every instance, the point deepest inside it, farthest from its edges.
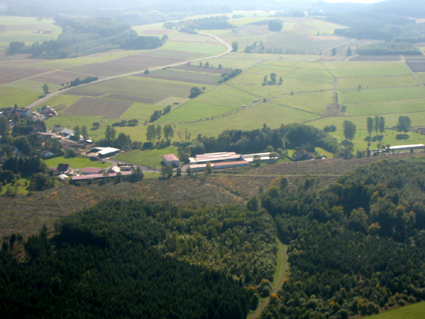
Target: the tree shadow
(402, 136)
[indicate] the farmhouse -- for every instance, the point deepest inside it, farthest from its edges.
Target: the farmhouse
(98, 176)
(22, 112)
(63, 168)
(302, 156)
(171, 160)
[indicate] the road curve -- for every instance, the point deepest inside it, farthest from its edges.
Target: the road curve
(279, 284)
(50, 95)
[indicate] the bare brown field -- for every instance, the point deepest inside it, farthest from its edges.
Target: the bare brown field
(376, 58)
(176, 78)
(28, 214)
(196, 68)
(84, 91)
(416, 66)
(127, 64)
(58, 77)
(8, 75)
(107, 108)
(134, 98)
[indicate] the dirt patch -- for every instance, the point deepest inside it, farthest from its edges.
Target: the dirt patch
(8, 75)
(107, 108)
(133, 98)
(128, 64)
(176, 78)
(196, 68)
(416, 66)
(332, 109)
(376, 58)
(58, 77)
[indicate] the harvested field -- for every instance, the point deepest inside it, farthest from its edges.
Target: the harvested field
(84, 91)
(416, 66)
(58, 77)
(27, 215)
(134, 98)
(132, 63)
(325, 167)
(165, 31)
(8, 75)
(175, 78)
(107, 108)
(376, 58)
(196, 68)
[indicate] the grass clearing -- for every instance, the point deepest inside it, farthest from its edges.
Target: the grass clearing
(11, 96)
(205, 49)
(313, 102)
(381, 95)
(377, 82)
(252, 118)
(33, 86)
(415, 311)
(76, 162)
(353, 69)
(385, 107)
(18, 188)
(150, 158)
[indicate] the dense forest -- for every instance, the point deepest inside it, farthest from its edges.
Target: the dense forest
(83, 35)
(209, 23)
(138, 259)
(355, 247)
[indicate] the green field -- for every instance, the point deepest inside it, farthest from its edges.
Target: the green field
(415, 311)
(150, 158)
(368, 69)
(377, 82)
(312, 102)
(11, 96)
(381, 95)
(75, 162)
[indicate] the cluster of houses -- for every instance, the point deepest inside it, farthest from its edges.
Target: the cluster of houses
(47, 111)
(65, 171)
(219, 160)
(10, 111)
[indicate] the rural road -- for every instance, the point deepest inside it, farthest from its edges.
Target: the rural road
(279, 284)
(50, 95)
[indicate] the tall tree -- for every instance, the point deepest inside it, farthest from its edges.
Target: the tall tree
(110, 134)
(84, 132)
(381, 124)
(349, 130)
(150, 133)
(235, 46)
(168, 132)
(4, 125)
(333, 51)
(369, 125)
(77, 133)
(158, 132)
(403, 124)
(376, 122)
(349, 52)
(45, 89)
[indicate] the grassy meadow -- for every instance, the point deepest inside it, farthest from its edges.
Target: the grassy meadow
(415, 311)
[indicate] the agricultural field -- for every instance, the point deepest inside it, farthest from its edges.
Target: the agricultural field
(75, 162)
(26, 29)
(150, 158)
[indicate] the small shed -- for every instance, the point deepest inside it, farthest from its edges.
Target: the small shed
(171, 160)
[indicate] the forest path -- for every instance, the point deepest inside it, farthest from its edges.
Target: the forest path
(276, 287)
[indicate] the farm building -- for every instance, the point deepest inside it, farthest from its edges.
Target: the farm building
(302, 156)
(105, 151)
(98, 176)
(221, 165)
(67, 132)
(262, 157)
(215, 157)
(90, 171)
(406, 147)
(63, 168)
(171, 160)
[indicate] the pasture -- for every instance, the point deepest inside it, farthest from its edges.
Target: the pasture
(181, 76)
(76, 162)
(415, 311)
(149, 158)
